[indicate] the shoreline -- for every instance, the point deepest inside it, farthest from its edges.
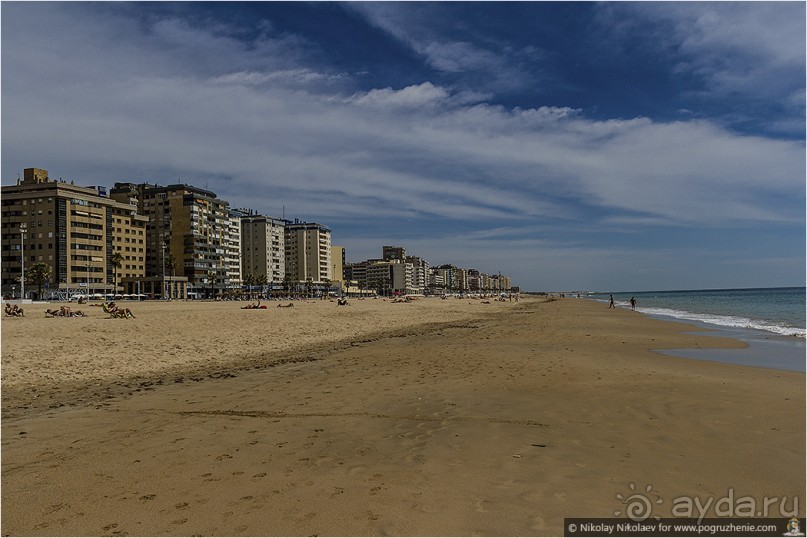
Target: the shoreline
(501, 424)
(763, 349)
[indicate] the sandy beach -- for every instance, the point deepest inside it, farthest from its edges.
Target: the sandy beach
(443, 418)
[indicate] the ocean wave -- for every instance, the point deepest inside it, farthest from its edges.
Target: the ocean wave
(726, 321)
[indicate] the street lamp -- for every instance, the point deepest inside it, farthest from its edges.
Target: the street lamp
(164, 284)
(23, 229)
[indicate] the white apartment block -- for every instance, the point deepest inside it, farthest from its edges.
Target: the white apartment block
(232, 254)
(401, 277)
(420, 275)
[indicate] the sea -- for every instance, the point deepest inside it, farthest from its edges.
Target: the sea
(770, 320)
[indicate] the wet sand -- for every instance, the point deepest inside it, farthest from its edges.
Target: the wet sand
(463, 419)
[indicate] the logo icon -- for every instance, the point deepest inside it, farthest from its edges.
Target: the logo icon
(638, 506)
(793, 528)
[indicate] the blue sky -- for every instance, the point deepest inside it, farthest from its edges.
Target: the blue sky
(602, 146)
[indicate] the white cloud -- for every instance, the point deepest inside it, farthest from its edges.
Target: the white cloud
(412, 96)
(756, 49)
(421, 27)
(268, 128)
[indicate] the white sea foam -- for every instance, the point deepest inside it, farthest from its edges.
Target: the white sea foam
(726, 321)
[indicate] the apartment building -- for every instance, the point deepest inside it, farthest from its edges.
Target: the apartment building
(379, 277)
(129, 240)
(308, 252)
(232, 252)
(401, 277)
(447, 276)
(263, 247)
(420, 275)
(188, 234)
(74, 230)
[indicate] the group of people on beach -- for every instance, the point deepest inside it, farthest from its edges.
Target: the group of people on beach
(64, 312)
(632, 303)
(14, 310)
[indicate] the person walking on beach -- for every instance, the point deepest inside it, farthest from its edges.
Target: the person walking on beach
(633, 303)
(611, 303)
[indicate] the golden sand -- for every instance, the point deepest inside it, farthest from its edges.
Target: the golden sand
(431, 418)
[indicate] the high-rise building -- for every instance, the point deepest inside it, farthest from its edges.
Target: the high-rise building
(74, 230)
(420, 275)
(263, 247)
(308, 252)
(188, 234)
(232, 252)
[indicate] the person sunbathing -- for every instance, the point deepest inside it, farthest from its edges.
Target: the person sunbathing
(115, 311)
(290, 305)
(342, 302)
(252, 306)
(14, 310)
(52, 313)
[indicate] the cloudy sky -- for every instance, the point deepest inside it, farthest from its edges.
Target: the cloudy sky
(600, 146)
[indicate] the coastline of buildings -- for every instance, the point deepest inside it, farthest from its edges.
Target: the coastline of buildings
(179, 242)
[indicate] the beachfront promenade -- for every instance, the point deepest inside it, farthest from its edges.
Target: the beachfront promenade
(436, 417)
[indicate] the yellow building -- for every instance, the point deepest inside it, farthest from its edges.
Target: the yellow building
(74, 230)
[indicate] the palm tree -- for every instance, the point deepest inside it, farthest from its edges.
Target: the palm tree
(116, 261)
(287, 284)
(249, 280)
(171, 264)
(38, 274)
(327, 284)
(261, 281)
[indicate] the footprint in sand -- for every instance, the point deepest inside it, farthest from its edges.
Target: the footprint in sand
(181, 521)
(181, 506)
(148, 497)
(259, 475)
